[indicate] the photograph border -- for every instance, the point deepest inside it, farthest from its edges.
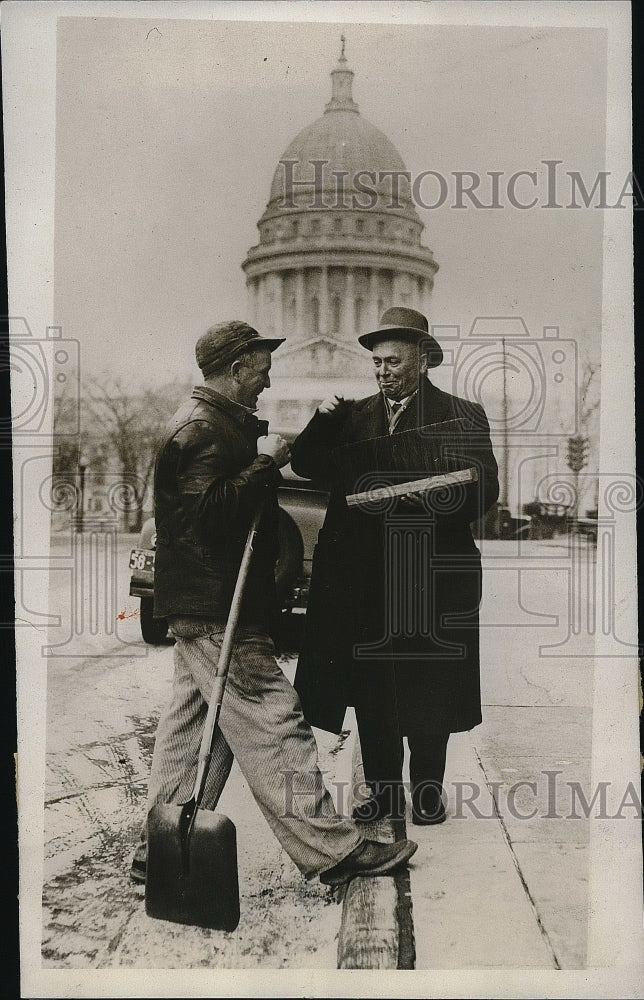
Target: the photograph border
(615, 888)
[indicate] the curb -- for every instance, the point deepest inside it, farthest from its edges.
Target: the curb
(377, 925)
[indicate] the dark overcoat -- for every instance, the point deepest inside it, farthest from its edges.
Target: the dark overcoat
(395, 593)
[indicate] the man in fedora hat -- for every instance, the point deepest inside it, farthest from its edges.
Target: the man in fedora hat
(392, 628)
(217, 464)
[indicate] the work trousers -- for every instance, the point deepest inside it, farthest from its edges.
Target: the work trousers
(381, 741)
(261, 725)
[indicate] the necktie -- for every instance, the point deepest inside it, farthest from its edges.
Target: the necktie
(394, 414)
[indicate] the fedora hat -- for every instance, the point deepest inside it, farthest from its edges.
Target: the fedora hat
(224, 342)
(400, 323)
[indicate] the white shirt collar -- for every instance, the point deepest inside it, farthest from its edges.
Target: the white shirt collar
(403, 402)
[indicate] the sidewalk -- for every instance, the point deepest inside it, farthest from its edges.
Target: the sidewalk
(492, 890)
(488, 889)
(502, 884)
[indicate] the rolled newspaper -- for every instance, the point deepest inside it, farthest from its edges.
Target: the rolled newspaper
(414, 486)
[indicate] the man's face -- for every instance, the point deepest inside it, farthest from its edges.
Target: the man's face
(251, 374)
(397, 366)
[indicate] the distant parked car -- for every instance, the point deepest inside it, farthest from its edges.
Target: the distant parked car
(512, 527)
(153, 630)
(547, 520)
(586, 526)
(302, 509)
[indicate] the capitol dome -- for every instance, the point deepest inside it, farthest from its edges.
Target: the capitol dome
(339, 242)
(341, 141)
(341, 161)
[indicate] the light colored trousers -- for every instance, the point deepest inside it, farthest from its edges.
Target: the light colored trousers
(262, 726)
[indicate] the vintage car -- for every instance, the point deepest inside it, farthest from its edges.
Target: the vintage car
(302, 508)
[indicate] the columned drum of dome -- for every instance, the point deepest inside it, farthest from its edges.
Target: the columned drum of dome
(339, 242)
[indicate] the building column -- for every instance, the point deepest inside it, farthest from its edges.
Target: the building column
(267, 305)
(278, 306)
(251, 300)
(415, 297)
(396, 299)
(400, 289)
(372, 308)
(349, 305)
(420, 292)
(324, 300)
(427, 296)
(260, 305)
(300, 311)
(257, 299)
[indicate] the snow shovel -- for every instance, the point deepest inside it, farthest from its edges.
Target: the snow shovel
(192, 852)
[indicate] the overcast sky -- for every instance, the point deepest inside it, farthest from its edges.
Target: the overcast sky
(169, 131)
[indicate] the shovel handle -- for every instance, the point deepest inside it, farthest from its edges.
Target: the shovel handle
(223, 662)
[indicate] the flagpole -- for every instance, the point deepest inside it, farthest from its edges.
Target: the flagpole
(506, 449)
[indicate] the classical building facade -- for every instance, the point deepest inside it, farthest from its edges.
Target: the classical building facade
(339, 242)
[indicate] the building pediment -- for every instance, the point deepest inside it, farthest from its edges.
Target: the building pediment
(321, 356)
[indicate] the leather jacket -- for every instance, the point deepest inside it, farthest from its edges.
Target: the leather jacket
(208, 481)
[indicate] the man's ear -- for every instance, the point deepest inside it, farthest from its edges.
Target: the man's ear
(422, 365)
(234, 369)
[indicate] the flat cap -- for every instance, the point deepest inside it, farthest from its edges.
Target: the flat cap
(224, 342)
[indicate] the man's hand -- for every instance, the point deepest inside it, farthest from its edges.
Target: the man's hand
(331, 404)
(413, 501)
(275, 447)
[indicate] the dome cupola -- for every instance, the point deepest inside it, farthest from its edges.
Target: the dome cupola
(341, 84)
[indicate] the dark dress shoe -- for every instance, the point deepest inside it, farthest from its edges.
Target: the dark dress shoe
(370, 858)
(387, 803)
(428, 809)
(373, 809)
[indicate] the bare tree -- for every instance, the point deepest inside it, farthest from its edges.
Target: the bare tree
(588, 410)
(128, 427)
(588, 395)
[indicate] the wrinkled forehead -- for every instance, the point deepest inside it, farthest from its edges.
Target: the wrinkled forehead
(405, 350)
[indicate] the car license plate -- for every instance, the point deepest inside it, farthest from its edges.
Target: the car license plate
(141, 560)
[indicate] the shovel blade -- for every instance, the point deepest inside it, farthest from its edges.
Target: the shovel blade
(193, 882)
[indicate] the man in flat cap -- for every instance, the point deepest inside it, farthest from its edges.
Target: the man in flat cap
(217, 464)
(392, 617)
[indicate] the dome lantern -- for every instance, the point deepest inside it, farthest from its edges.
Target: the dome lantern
(341, 84)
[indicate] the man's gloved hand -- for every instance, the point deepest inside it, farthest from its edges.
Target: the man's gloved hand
(412, 501)
(275, 447)
(331, 404)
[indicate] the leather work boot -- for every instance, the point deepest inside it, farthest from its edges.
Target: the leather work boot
(370, 858)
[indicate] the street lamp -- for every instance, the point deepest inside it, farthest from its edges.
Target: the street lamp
(83, 462)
